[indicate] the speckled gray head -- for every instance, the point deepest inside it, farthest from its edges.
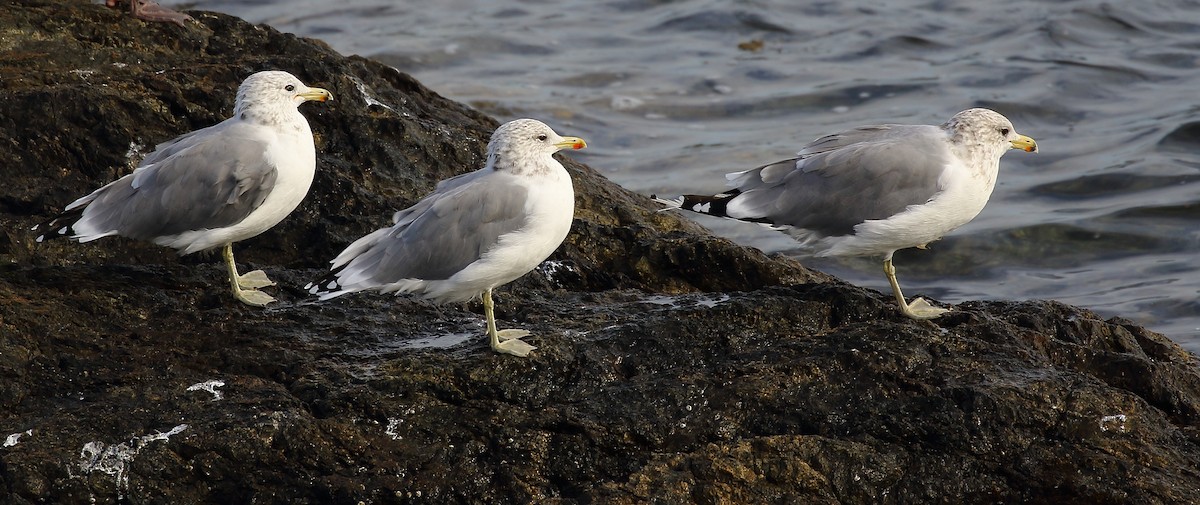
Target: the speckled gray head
(525, 146)
(263, 93)
(989, 129)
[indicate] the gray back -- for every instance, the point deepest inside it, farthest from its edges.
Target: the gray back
(445, 232)
(822, 189)
(211, 183)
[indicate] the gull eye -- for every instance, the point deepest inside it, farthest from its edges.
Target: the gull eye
(542, 137)
(289, 87)
(1004, 131)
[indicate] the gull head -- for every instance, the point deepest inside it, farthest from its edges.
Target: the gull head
(523, 145)
(987, 129)
(273, 90)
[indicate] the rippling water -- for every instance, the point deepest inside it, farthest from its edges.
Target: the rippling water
(673, 94)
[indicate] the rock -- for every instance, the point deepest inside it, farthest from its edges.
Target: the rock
(672, 366)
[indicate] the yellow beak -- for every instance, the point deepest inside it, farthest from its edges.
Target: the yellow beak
(571, 143)
(1025, 144)
(318, 94)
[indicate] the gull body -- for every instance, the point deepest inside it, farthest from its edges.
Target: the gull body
(873, 190)
(473, 233)
(213, 186)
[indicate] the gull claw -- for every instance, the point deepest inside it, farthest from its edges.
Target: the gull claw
(513, 346)
(255, 279)
(511, 334)
(253, 297)
(921, 309)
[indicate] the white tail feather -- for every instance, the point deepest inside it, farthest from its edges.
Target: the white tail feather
(670, 203)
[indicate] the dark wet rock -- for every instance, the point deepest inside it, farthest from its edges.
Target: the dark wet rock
(673, 367)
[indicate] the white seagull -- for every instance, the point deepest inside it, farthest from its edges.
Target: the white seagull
(475, 232)
(214, 186)
(874, 190)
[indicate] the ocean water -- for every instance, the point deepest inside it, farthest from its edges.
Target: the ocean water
(671, 95)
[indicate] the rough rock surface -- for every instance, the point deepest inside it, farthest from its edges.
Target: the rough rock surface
(673, 367)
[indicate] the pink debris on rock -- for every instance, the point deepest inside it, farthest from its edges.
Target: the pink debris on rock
(149, 10)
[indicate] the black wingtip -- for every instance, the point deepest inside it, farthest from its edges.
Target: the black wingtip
(327, 283)
(713, 205)
(58, 226)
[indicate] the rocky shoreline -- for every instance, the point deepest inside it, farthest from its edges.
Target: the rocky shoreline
(672, 366)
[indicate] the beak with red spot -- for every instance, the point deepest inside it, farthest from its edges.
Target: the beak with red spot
(1025, 144)
(316, 94)
(571, 143)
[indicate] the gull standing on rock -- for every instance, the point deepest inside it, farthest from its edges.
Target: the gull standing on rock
(874, 190)
(475, 232)
(214, 186)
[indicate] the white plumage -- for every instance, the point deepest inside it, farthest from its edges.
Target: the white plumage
(874, 190)
(214, 186)
(475, 232)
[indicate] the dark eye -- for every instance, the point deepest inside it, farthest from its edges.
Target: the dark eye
(542, 137)
(1004, 131)
(289, 87)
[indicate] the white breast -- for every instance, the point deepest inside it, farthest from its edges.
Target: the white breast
(550, 209)
(965, 191)
(294, 155)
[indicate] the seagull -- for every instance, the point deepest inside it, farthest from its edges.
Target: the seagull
(214, 186)
(475, 232)
(873, 190)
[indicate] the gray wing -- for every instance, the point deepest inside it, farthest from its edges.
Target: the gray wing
(443, 187)
(841, 180)
(212, 181)
(169, 148)
(440, 235)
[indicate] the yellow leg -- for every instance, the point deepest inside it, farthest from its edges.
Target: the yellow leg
(512, 343)
(919, 308)
(244, 285)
